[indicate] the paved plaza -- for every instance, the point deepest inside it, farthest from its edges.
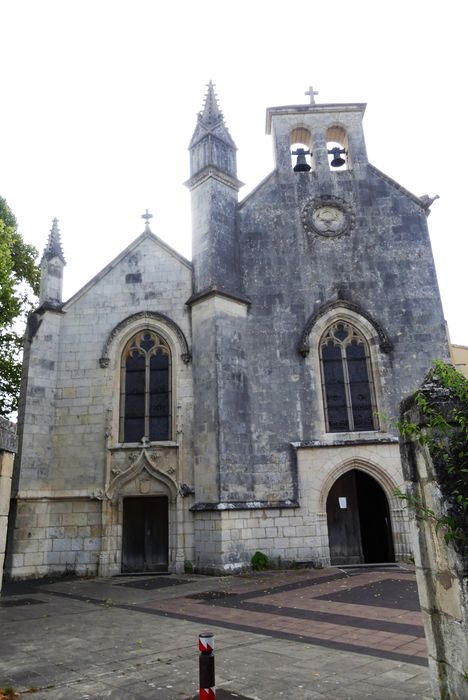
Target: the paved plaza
(331, 633)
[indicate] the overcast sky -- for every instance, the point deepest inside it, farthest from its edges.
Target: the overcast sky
(99, 101)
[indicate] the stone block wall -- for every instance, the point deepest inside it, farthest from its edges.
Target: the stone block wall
(441, 567)
(7, 453)
(226, 540)
(56, 536)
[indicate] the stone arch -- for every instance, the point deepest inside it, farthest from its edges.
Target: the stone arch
(337, 137)
(300, 141)
(361, 527)
(142, 464)
(145, 317)
(342, 310)
(382, 477)
(331, 309)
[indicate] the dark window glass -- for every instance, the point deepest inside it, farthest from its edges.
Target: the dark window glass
(134, 429)
(346, 382)
(335, 388)
(146, 391)
(159, 428)
(359, 387)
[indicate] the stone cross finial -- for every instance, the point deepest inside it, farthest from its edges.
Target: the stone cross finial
(311, 92)
(147, 216)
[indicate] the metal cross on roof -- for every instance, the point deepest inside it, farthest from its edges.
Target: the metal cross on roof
(311, 92)
(147, 216)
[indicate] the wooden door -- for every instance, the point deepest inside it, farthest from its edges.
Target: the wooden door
(360, 532)
(344, 532)
(145, 534)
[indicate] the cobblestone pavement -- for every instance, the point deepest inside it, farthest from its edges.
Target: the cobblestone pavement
(334, 633)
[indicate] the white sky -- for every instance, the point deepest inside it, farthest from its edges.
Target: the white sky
(99, 101)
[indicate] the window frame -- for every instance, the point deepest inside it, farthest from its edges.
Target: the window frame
(354, 334)
(132, 345)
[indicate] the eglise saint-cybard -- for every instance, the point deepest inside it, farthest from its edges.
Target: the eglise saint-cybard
(176, 411)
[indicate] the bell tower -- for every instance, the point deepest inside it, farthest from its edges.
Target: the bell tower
(219, 318)
(325, 138)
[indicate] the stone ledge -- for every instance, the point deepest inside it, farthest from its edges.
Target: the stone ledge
(347, 442)
(243, 505)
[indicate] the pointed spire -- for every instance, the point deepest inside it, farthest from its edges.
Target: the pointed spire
(211, 114)
(53, 247)
(211, 121)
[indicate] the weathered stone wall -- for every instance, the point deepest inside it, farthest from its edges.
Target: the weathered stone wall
(56, 536)
(442, 571)
(289, 274)
(7, 453)
(225, 540)
(69, 436)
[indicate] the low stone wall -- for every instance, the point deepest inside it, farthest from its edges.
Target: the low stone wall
(441, 568)
(228, 538)
(7, 453)
(56, 535)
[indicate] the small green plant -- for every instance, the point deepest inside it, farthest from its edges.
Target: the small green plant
(260, 561)
(188, 566)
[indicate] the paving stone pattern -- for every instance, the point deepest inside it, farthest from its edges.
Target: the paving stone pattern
(276, 634)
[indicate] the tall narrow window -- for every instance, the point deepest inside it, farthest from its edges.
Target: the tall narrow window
(347, 380)
(145, 399)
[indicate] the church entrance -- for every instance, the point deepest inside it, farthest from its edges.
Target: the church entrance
(359, 529)
(145, 534)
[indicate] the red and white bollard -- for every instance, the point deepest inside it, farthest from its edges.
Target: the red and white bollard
(207, 666)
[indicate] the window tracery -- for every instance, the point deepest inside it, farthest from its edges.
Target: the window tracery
(145, 399)
(347, 382)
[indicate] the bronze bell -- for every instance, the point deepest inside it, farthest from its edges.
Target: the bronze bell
(302, 165)
(337, 161)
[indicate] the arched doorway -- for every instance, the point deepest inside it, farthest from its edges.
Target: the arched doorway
(358, 516)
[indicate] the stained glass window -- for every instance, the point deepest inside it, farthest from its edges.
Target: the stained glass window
(145, 401)
(347, 380)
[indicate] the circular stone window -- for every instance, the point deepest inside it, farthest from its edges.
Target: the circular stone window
(326, 217)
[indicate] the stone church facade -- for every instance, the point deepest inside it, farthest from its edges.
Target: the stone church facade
(177, 411)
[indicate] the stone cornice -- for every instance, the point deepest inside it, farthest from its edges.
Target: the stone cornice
(214, 291)
(211, 171)
(285, 110)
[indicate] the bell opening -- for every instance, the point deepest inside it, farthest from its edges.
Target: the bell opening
(300, 140)
(301, 158)
(337, 147)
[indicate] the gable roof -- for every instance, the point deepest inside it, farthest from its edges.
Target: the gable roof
(108, 268)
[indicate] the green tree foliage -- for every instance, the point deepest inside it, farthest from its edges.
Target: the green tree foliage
(19, 282)
(443, 404)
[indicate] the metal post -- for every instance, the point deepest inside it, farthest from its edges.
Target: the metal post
(207, 666)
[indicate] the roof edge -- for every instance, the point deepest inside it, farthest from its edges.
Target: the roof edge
(313, 109)
(110, 266)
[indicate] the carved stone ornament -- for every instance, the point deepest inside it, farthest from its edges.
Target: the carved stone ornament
(327, 216)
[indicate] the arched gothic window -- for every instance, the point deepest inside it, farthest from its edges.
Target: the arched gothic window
(145, 394)
(347, 384)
